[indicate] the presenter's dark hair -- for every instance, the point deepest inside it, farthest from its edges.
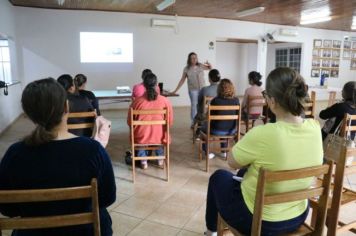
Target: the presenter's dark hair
(43, 101)
(150, 83)
(189, 64)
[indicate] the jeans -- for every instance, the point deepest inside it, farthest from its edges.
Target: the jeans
(193, 95)
(145, 153)
(224, 143)
(225, 197)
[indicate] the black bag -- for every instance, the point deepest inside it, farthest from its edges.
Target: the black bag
(4, 85)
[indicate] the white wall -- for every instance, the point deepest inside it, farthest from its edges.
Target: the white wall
(235, 61)
(50, 46)
(10, 107)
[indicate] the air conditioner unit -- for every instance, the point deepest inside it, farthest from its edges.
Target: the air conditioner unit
(163, 23)
(288, 32)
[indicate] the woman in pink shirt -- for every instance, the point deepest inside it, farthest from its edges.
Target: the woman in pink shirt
(151, 133)
(139, 89)
(254, 79)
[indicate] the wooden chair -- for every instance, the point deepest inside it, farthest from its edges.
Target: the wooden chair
(197, 125)
(82, 115)
(346, 127)
(309, 106)
(252, 102)
(208, 138)
(262, 198)
(135, 122)
(51, 195)
(341, 195)
(332, 98)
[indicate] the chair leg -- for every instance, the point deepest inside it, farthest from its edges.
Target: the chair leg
(247, 124)
(207, 156)
(220, 225)
(133, 168)
(167, 164)
(200, 149)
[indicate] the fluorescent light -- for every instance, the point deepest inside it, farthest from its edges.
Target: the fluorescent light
(315, 15)
(249, 12)
(316, 20)
(166, 3)
(353, 26)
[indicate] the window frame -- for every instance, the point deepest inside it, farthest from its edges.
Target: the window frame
(285, 56)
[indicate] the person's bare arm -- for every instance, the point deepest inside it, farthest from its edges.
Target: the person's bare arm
(181, 82)
(206, 66)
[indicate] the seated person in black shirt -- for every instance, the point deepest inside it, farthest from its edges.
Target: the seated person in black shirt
(77, 103)
(80, 81)
(51, 157)
(225, 97)
(338, 110)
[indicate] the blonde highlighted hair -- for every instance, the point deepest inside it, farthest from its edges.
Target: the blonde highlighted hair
(226, 89)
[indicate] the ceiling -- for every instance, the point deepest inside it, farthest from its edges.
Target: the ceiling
(283, 12)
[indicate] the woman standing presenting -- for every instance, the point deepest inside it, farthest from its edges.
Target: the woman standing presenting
(194, 72)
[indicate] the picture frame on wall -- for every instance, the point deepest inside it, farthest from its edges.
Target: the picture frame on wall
(346, 54)
(316, 53)
(336, 53)
(327, 43)
(325, 63)
(347, 44)
(334, 73)
(353, 65)
(315, 63)
(353, 54)
(317, 43)
(315, 73)
(326, 53)
(326, 72)
(336, 43)
(335, 63)
(353, 44)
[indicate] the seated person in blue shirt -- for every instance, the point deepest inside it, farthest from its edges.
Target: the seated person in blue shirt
(51, 157)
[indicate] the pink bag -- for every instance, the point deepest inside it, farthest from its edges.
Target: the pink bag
(101, 131)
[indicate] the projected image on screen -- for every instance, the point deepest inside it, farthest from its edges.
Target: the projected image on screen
(106, 47)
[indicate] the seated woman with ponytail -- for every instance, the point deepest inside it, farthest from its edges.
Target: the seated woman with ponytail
(80, 82)
(155, 133)
(77, 103)
(51, 157)
(290, 143)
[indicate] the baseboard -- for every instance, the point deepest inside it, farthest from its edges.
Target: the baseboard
(10, 125)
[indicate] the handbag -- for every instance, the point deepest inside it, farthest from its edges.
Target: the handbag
(328, 125)
(101, 131)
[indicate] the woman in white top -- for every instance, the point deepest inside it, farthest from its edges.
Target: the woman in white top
(194, 72)
(254, 79)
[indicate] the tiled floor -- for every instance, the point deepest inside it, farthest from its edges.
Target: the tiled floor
(152, 206)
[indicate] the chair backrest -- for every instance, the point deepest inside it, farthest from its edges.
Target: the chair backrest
(338, 153)
(348, 125)
(82, 115)
(50, 195)
(255, 102)
(266, 177)
(332, 97)
(309, 106)
(164, 121)
(235, 117)
(207, 100)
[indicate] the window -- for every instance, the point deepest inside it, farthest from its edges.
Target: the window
(5, 67)
(288, 57)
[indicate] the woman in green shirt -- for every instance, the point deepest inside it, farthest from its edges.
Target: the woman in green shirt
(290, 143)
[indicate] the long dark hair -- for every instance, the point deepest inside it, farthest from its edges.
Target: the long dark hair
(66, 81)
(188, 60)
(255, 78)
(43, 101)
(349, 92)
(288, 88)
(150, 83)
(79, 80)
